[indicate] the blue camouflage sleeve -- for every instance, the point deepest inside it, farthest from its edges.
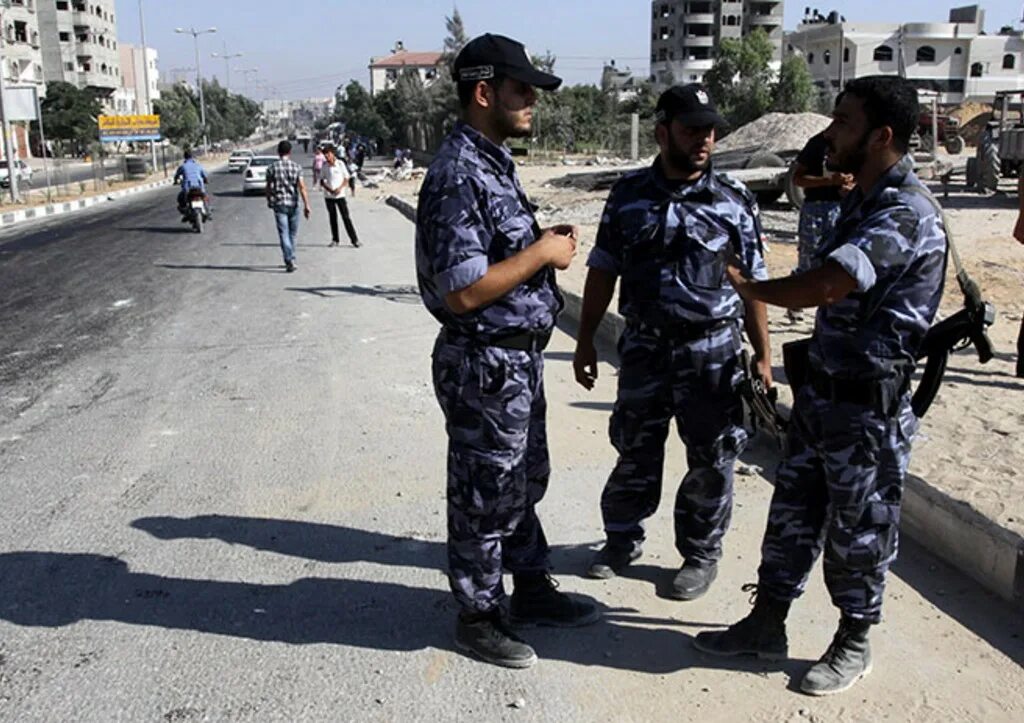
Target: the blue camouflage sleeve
(607, 252)
(751, 248)
(881, 243)
(459, 236)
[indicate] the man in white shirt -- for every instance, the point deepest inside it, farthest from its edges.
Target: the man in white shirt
(335, 179)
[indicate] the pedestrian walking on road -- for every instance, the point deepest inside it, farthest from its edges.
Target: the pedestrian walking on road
(336, 183)
(877, 287)
(667, 231)
(487, 272)
(1018, 233)
(284, 188)
(823, 191)
(318, 163)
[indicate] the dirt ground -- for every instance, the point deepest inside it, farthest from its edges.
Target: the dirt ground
(968, 444)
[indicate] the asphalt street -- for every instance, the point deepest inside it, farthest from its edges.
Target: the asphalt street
(223, 499)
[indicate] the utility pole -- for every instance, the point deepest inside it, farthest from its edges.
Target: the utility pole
(145, 78)
(199, 79)
(9, 154)
(226, 57)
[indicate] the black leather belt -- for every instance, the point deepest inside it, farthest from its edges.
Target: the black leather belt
(680, 332)
(529, 341)
(880, 394)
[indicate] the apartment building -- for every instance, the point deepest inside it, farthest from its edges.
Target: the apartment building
(21, 61)
(685, 33)
(385, 71)
(958, 60)
(138, 63)
(79, 44)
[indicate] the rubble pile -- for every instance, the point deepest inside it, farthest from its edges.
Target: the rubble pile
(775, 132)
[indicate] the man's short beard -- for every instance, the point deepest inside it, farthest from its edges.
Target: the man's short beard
(682, 161)
(504, 122)
(856, 159)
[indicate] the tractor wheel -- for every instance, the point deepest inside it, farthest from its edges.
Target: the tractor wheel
(955, 145)
(988, 168)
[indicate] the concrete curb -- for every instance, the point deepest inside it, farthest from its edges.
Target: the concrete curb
(978, 546)
(11, 218)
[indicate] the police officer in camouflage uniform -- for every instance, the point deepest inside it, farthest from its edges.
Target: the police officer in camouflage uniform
(486, 272)
(668, 232)
(877, 289)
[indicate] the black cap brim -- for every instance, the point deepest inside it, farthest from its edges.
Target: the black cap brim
(536, 78)
(700, 119)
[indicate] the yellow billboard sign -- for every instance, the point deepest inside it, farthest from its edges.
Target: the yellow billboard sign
(129, 127)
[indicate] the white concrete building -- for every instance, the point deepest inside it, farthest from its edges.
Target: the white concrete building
(21, 61)
(955, 59)
(385, 71)
(134, 62)
(685, 33)
(79, 44)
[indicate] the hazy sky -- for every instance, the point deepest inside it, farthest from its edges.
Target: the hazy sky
(306, 48)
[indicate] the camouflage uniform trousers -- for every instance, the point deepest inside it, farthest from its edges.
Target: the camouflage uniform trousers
(498, 466)
(817, 219)
(696, 383)
(840, 488)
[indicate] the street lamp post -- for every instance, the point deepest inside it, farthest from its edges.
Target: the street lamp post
(199, 79)
(226, 57)
(247, 75)
(145, 79)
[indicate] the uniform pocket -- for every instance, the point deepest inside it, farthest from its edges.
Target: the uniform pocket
(702, 265)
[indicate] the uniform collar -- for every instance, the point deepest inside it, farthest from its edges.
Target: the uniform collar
(895, 177)
(499, 156)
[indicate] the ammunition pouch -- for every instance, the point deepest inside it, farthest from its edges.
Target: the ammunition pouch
(796, 362)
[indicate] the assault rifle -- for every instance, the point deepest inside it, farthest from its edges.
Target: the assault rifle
(761, 401)
(964, 328)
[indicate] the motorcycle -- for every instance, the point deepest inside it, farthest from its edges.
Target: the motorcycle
(195, 209)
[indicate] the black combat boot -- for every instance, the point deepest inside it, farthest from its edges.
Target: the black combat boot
(761, 633)
(693, 580)
(536, 601)
(488, 637)
(847, 660)
(612, 559)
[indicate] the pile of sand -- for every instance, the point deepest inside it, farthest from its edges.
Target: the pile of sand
(776, 132)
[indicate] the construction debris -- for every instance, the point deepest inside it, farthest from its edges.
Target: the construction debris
(775, 132)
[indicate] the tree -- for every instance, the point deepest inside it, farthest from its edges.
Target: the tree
(179, 115)
(443, 95)
(70, 115)
(740, 81)
(356, 110)
(794, 92)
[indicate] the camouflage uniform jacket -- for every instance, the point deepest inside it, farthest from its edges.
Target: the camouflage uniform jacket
(670, 244)
(472, 213)
(893, 243)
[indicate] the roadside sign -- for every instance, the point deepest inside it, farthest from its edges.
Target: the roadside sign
(129, 128)
(19, 103)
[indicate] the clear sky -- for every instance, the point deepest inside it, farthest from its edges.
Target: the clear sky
(306, 48)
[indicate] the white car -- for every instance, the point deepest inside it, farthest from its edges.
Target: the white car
(238, 160)
(254, 177)
(23, 170)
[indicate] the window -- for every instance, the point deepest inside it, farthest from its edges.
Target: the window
(826, 57)
(1009, 62)
(662, 54)
(846, 55)
(64, 37)
(925, 54)
(958, 51)
(69, 66)
(883, 53)
(810, 58)
(976, 70)
(62, 5)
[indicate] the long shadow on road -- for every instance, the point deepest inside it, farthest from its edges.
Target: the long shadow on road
(51, 589)
(204, 267)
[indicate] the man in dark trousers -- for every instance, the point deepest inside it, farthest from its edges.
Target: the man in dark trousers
(486, 271)
(337, 182)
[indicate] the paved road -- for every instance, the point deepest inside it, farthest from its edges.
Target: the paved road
(223, 500)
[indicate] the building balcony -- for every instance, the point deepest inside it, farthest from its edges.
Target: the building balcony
(95, 79)
(761, 20)
(698, 41)
(698, 18)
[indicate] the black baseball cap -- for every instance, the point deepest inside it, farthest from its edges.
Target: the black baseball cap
(690, 105)
(491, 56)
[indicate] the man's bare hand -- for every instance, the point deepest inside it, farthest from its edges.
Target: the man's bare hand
(737, 278)
(559, 249)
(566, 229)
(1018, 230)
(846, 183)
(763, 367)
(584, 364)
(305, 211)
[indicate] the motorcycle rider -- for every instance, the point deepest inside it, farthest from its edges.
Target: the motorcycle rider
(192, 175)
